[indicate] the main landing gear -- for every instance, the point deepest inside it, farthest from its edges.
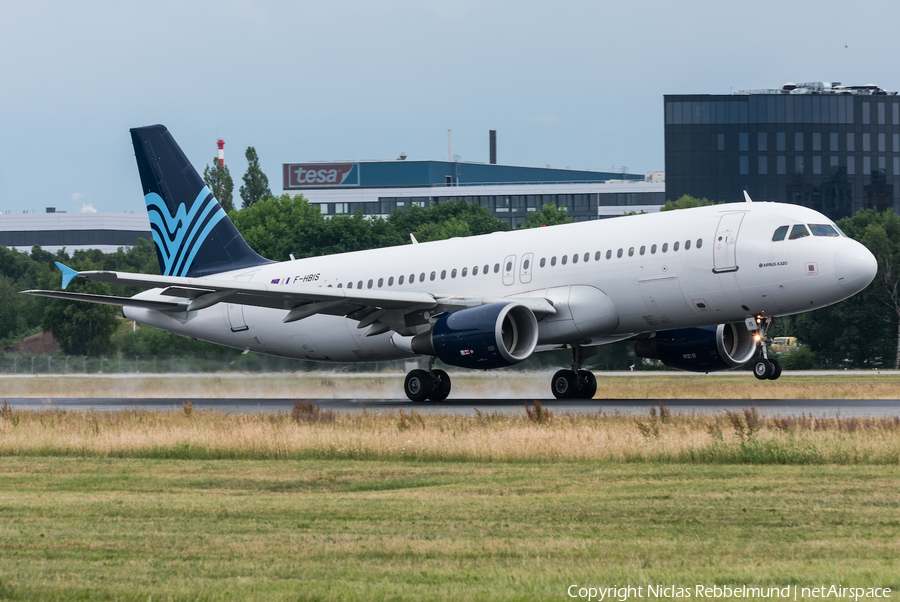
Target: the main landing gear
(427, 384)
(575, 383)
(765, 368)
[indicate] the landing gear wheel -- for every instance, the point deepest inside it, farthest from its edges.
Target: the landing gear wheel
(418, 385)
(441, 385)
(762, 369)
(776, 369)
(565, 384)
(588, 383)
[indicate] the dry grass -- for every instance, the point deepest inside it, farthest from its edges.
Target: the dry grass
(307, 432)
(474, 385)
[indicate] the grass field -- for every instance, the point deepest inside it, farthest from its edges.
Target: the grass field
(470, 384)
(317, 505)
(536, 436)
(148, 529)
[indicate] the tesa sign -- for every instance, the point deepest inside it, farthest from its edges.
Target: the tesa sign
(298, 175)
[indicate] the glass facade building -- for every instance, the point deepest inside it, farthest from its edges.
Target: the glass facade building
(831, 148)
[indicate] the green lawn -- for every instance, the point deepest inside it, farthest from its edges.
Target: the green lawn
(128, 529)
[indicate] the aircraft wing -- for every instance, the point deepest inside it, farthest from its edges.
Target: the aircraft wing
(388, 310)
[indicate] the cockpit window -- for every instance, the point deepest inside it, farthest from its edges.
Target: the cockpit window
(841, 232)
(823, 230)
(798, 231)
(780, 233)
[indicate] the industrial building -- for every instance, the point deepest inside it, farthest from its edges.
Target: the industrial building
(833, 148)
(73, 231)
(509, 192)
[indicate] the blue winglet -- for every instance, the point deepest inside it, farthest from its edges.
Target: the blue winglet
(68, 274)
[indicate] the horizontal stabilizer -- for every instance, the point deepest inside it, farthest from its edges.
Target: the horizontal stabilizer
(110, 300)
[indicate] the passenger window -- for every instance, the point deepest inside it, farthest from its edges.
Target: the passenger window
(509, 266)
(422, 277)
(527, 264)
(575, 258)
(340, 285)
(699, 242)
(443, 274)
(780, 233)
(643, 248)
(565, 259)
(464, 272)
(486, 270)
(675, 246)
(798, 231)
(543, 261)
(609, 254)
(496, 267)
(329, 286)
(823, 230)
(475, 271)
(665, 247)
(596, 256)
(359, 284)
(381, 282)
(349, 285)
(553, 260)
(453, 273)
(400, 281)
(391, 281)
(619, 253)
(687, 245)
(587, 256)
(631, 251)
(370, 283)
(653, 249)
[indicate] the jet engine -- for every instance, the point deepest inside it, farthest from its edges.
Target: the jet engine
(483, 337)
(700, 349)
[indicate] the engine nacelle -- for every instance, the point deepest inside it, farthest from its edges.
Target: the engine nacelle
(700, 349)
(487, 336)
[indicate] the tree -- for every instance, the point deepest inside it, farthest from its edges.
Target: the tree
(81, 328)
(686, 202)
(218, 178)
(256, 184)
(478, 219)
(549, 215)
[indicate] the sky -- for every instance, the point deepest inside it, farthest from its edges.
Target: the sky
(575, 84)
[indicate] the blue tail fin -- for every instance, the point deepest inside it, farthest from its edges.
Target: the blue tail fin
(193, 236)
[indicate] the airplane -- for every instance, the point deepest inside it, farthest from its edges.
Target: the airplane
(695, 288)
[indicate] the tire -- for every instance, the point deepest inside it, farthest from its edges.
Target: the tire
(776, 369)
(762, 369)
(418, 385)
(588, 383)
(442, 385)
(564, 385)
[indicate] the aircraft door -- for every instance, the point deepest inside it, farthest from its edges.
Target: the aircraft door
(236, 317)
(724, 259)
(236, 311)
(526, 268)
(509, 270)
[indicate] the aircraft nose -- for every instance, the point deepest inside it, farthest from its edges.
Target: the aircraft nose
(854, 267)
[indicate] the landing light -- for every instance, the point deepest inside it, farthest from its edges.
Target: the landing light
(756, 337)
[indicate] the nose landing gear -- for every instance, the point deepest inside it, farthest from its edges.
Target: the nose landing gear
(764, 368)
(575, 383)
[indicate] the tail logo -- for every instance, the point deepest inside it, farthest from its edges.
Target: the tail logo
(178, 237)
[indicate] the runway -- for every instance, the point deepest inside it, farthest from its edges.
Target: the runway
(785, 407)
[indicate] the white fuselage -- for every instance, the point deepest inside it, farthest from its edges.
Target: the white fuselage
(725, 268)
